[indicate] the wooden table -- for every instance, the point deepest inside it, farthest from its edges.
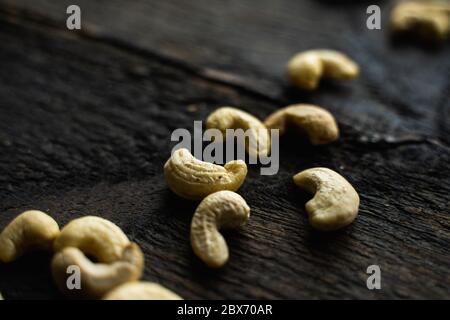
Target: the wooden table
(86, 118)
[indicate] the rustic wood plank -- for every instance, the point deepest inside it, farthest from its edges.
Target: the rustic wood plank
(86, 121)
(248, 43)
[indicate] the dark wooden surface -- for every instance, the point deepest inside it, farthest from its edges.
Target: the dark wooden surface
(85, 128)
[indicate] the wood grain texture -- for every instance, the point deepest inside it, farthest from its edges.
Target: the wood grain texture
(87, 117)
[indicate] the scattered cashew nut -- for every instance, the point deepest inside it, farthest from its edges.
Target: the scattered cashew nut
(221, 209)
(29, 230)
(258, 142)
(318, 124)
(141, 291)
(335, 203)
(428, 18)
(194, 179)
(97, 278)
(307, 68)
(94, 236)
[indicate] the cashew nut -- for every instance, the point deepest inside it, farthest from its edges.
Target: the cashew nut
(141, 291)
(232, 118)
(335, 203)
(429, 18)
(306, 69)
(221, 209)
(30, 230)
(316, 123)
(194, 179)
(97, 278)
(94, 236)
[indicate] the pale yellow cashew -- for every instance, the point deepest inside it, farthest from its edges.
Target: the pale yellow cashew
(94, 236)
(221, 209)
(141, 291)
(96, 279)
(307, 68)
(258, 137)
(335, 203)
(428, 18)
(316, 123)
(28, 231)
(194, 179)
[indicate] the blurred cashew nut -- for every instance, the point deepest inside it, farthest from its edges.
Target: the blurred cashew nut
(96, 279)
(307, 68)
(221, 209)
(335, 203)
(429, 19)
(28, 231)
(316, 123)
(141, 291)
(194, 179)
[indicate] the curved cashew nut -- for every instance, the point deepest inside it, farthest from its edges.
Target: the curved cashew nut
(194, 179)
(318, 124)
(335, 203)
(141, 291)
(97, 278)
(430, 18)
(94, 236)
(221, 209)
(232, 118)
(29, 230)
(306, 69)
